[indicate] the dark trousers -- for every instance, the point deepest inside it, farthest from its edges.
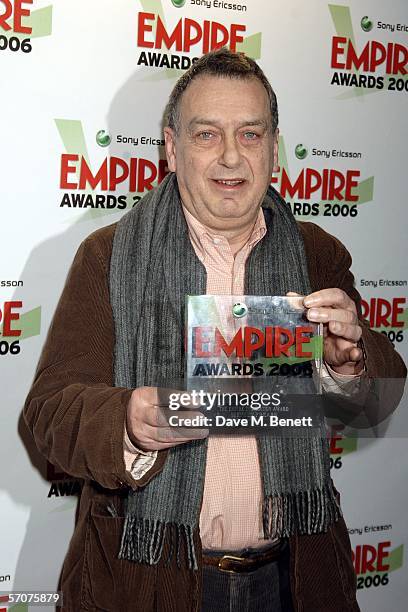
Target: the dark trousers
(266, 589)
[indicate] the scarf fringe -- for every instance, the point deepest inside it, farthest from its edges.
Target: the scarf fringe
(143, 542)
(304, 512)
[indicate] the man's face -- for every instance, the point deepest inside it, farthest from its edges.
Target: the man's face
(224, 153)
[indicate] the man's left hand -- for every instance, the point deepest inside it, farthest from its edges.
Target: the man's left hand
(341, 329)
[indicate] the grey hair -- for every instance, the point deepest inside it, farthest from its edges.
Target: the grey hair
(221, 63)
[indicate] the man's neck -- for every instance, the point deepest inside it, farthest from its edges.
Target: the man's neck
(237, 238)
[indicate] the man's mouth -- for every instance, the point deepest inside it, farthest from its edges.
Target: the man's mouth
(229, 182)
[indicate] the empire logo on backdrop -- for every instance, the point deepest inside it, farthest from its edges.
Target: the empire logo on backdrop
(176, 47)
(387, 315)
(365, 53)
(326, 192)
(20, 24)
(375, 561)
(113, 183)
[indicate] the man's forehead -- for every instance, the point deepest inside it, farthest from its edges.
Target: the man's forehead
(214, 99)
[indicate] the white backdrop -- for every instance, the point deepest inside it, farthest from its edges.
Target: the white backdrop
(80, 93)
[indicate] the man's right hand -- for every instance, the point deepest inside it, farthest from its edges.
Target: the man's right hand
(147, 424)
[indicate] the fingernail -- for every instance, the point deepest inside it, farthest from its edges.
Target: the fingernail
(314, 314)
(335, 326)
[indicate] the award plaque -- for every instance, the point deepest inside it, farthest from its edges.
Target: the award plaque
(247, 335)
(258, 352)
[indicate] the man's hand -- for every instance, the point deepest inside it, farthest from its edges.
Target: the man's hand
(147, 425)
(341, 329)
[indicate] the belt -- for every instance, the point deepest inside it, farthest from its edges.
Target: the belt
(248, 561)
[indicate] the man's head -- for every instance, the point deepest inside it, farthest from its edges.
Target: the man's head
(221, 139)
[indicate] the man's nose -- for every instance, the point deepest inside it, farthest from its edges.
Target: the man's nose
(230, 155)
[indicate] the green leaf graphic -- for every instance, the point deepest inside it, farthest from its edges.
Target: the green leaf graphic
(72, 136)
(349, 445)
(40, 21)
(29, 323)
(251, 45)
(283, 159)
(365, 190)
(395, 560)
(342, 20)
(153, 6)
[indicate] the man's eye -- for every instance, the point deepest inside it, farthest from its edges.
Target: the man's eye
(205, 135)
(251, 135)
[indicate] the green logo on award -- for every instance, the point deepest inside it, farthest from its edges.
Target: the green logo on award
(239, 310)
(178, 3)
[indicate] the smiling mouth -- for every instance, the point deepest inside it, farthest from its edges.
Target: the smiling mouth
(229, 183)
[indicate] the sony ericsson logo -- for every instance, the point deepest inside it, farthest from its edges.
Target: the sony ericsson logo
(301, 151)
(178, 3)
(239, 310)
(103, 139)
(366, 24)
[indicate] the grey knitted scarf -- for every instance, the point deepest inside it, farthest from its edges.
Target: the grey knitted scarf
(153, 268)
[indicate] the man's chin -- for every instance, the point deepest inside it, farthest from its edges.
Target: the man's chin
(228, 208)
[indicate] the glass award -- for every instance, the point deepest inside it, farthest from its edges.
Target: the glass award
(230, 336)
(247, 353)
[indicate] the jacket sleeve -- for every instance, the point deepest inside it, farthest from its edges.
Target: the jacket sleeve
(75, 414)
(329, 266)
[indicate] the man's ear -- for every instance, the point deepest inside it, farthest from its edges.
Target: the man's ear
(170, 147)
(276, 167)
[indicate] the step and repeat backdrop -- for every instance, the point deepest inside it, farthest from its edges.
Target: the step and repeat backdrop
(83, 88)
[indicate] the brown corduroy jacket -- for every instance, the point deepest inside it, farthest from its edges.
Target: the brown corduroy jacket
(77, 419)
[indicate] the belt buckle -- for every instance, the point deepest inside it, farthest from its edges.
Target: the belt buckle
(232, 558)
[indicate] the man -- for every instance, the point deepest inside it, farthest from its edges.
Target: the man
(197, 523)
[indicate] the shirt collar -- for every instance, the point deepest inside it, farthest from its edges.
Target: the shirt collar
(198, 232)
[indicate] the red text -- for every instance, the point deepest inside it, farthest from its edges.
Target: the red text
(187, 33)
(383, 313)
(138, 173)
(276, 341)
(332, 184)
(374, 54)
(7, 316)
(15, 11)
